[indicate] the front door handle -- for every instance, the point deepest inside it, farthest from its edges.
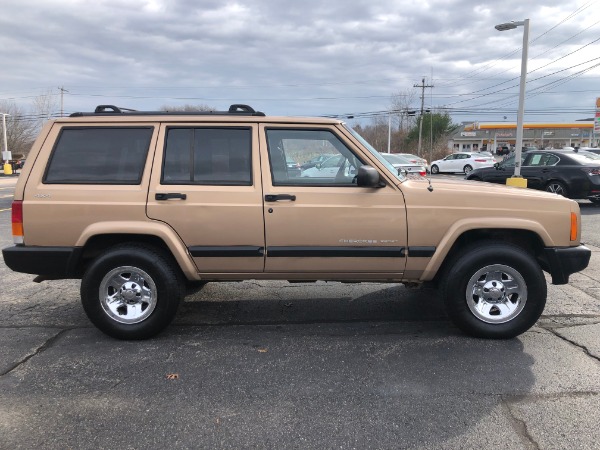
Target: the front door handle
(170, 195)
(277, 197)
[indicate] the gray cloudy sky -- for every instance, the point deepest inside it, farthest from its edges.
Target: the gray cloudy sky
(306, 57)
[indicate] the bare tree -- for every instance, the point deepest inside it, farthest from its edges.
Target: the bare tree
(403, 103)
(187, 108)
(44, 107)
(20, 129)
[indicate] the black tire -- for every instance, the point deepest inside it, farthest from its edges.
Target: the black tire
(557, 187)
(435, 169)
(505, 267)
(146, 286)
(467, 169)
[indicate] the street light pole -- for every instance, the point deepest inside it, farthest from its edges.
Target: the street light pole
(517, 179)
(4, 132)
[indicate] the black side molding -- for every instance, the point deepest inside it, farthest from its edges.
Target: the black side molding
(421, 252)
(234, 251)
(336, 252)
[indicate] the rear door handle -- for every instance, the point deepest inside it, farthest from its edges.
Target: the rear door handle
(278, 197)
(170, 195)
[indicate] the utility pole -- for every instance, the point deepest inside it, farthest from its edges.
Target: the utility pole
(422, 86)
(62, 93)
(389, 131)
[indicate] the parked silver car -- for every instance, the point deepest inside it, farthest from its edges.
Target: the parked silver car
(402, 163)
(415, 159)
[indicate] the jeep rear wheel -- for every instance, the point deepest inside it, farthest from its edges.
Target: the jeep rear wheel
(494, 290)
(131, 292)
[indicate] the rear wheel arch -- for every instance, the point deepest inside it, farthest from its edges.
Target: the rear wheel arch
(98, 244)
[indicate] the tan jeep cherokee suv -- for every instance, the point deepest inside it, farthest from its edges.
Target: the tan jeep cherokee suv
(139, 204)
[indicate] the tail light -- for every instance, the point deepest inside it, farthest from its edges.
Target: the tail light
(17, 221)
(422, 173)
(592, 171)
(481, 160)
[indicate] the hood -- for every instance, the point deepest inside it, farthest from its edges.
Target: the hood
(484, 195)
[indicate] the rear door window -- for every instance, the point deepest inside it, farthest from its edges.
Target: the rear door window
(209, 156)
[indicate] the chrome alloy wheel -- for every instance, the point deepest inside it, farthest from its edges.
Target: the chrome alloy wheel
(496, 294)
(128, 294)
(557, 188)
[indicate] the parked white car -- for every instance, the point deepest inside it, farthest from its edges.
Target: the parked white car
(462, 162)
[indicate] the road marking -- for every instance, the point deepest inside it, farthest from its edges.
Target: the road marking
(2, 210)
(6, 196)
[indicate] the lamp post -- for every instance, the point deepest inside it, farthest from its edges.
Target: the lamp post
(5, 151)
(517, 179)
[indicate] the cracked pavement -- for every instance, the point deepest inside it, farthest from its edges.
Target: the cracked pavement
(278, 365)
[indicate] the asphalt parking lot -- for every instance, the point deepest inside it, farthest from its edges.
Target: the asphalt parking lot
(263, 364)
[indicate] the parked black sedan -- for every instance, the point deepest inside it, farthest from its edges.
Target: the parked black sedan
(574, 175)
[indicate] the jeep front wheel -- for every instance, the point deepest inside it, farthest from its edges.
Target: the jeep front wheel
(494, 290)
(131, 292)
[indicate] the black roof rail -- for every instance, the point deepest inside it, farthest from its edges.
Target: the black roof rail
(236, 109)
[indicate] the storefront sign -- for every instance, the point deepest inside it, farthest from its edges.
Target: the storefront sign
(468, 133)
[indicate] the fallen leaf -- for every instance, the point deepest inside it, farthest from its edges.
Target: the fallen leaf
(262, 350)
(172, 376)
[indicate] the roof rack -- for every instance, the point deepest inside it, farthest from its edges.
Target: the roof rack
(112, 110)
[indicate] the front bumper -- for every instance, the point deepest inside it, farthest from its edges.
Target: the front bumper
(561, 262)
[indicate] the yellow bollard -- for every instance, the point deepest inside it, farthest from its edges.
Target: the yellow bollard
(8, 169)
(517, 182)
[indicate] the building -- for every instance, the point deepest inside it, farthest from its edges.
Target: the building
(479, 136)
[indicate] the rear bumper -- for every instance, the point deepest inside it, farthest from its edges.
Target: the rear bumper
(52, 262)
(561, 262)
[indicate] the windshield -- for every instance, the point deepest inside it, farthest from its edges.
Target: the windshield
(376, 154)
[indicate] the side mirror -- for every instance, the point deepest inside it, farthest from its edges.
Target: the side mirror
(368, 177)
(402, 171)
(318, 166)
(497, 166)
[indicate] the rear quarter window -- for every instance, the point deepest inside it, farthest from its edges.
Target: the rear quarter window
(99, 155)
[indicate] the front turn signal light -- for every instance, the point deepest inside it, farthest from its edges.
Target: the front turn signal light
(573, 226)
